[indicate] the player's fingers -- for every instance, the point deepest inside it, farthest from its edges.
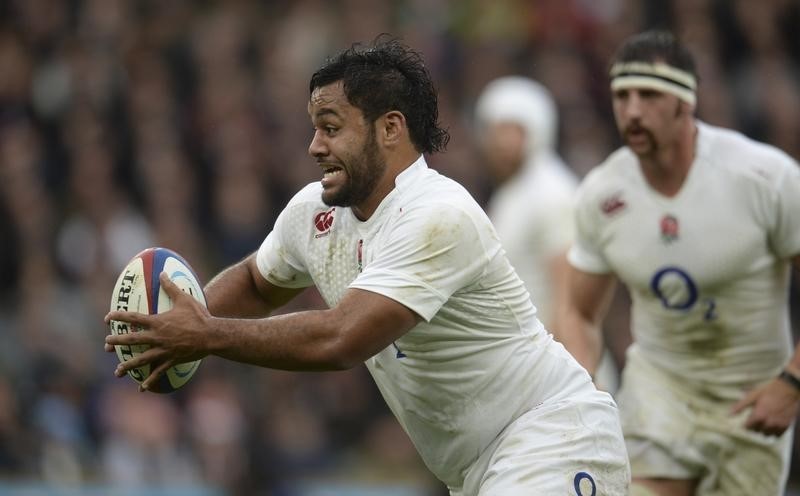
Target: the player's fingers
(172, 289)
(140, 319)
(765, 426)
(141, 337)
(743, 403)
(155, 374)
(108, 347)
(760, 421)
(778, 430)
(754, 423)
(137, 361)
(772, 430)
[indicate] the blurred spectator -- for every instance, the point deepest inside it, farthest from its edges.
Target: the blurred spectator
(218, 431)
(142, 443)
(15, 443)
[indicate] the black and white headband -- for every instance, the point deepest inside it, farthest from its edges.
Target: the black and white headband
(658, 76)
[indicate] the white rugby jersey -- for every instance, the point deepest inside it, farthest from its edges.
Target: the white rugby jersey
(708, 269)
(479, 359)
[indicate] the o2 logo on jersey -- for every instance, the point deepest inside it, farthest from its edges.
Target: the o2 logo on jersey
(584, 485)
(676, 290)
(323, 222)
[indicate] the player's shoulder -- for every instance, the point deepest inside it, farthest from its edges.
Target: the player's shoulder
(306, 212)
(422, 187)
(743, 156)
(614, 174)
(427, 198)
(310, 196)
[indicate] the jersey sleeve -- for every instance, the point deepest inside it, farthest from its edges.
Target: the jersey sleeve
(278, 258)
(586, 251)
(785, 237)
(431, 254)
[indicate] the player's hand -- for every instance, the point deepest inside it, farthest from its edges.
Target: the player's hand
(774, 407)
(173, 337)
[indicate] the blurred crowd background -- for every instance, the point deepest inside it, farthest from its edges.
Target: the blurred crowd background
(133, 123)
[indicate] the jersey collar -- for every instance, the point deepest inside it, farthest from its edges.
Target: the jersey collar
(412, 171)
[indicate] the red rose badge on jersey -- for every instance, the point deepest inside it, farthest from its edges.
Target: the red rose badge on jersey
(323, 222)
(669, 228)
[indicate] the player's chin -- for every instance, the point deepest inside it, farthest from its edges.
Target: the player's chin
(328, 196)
(640, 148)
(334, 196)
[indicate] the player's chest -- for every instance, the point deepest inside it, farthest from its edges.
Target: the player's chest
(336, 252)
(709, 236)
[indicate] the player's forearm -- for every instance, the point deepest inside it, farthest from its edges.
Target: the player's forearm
(582, 338)
(310, 340)
(581, 316)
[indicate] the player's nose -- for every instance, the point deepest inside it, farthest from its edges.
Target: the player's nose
(317, 147)
(633, 106)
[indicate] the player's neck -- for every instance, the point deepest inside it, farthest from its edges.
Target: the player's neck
(666, 169)
(396, 163)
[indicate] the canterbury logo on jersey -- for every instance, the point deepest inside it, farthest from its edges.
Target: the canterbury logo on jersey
(323, 222)
(613, 204)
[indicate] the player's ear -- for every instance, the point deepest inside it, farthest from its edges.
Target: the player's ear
(392, 128)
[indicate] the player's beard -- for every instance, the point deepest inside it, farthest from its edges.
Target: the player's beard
(652, 144)
(364, 171)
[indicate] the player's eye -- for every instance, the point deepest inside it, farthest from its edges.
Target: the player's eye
(327, 130)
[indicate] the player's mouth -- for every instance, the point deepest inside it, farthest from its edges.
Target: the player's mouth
(636, 136)
(331, 174)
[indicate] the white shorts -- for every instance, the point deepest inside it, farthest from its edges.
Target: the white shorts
(674, 432)
(572, 447)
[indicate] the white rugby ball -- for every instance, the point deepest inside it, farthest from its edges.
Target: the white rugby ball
(138, 290)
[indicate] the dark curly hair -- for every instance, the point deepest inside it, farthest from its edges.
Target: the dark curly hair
(386, 76)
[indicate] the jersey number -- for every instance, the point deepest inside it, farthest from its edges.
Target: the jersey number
(399, 353)
(584, 484)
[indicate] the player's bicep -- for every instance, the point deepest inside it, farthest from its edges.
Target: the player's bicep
(274, 296)
(241, 291)
(588, 294)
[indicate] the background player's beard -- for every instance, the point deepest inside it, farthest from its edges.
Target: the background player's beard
(651, 140)
(654, 145)
(363, 173)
